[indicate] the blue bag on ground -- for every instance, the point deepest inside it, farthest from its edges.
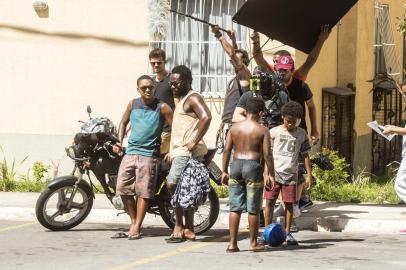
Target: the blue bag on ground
(274, 234)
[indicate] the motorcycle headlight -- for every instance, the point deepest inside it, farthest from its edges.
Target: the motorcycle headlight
(72, 151)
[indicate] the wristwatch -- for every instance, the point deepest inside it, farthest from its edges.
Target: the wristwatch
(218, 35)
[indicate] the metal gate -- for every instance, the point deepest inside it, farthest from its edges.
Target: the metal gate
(387, 110)
(387, 102)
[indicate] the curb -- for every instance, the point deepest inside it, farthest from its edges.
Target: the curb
(324, 216)
(321, 224)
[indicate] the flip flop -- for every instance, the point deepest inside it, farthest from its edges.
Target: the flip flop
(232, 250)
(259, 249)
(134, 237)
(119, 235)
(174, 239)
(190, 238)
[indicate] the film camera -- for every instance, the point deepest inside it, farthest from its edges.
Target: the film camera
(271, 88)
(261, 83)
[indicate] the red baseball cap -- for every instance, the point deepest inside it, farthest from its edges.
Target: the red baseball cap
(284, 62)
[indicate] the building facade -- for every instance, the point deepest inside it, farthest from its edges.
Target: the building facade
(91, 53)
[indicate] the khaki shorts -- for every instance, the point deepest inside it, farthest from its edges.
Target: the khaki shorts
(137, 176)
(165, 142)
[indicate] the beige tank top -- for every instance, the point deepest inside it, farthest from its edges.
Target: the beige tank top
(184, 129)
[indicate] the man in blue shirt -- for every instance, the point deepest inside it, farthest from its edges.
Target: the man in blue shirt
(139, 168)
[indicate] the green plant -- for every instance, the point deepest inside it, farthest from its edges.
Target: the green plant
(39, 170)
(222, 191)
(27, 185)
(362, 177)
(9, 172)
(363, 187)
(339, 175)
(371, 192)
(401, 25)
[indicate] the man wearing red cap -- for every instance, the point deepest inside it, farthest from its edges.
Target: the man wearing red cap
(302, 71)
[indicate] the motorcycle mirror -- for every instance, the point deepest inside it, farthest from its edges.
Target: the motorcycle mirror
(89, 111)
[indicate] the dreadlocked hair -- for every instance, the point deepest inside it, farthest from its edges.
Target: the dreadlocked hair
(184, 73)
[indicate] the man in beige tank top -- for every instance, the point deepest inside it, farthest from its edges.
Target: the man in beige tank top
(191, 120)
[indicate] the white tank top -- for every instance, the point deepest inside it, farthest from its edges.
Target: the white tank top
(184, 129)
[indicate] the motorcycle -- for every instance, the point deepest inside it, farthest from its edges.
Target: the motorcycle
(68, 199)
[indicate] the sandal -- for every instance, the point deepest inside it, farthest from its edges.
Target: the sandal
(232, 250)
(134, 237)
(175, 239)
(119, 235)
(259, 249)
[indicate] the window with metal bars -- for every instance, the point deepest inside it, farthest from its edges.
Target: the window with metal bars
(386, 59)
(338, 121)
(192, 43)
(386, 101)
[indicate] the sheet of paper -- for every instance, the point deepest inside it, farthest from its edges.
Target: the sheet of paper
(379, 129)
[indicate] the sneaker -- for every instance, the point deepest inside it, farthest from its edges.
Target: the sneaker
(304, 205)
(279, 212)
(293, 227)
(261, 239)
(290, 240)
(296, 211)
(402, 232)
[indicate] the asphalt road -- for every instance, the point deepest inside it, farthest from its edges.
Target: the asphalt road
(27, 245)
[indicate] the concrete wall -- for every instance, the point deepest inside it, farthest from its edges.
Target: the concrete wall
(86, 52)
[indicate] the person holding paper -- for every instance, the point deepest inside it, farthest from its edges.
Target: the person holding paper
(400, 183)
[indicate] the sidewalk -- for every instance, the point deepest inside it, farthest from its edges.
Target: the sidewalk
(324, 216)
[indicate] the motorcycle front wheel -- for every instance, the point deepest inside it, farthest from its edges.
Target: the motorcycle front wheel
(52, 209)
(204, 218)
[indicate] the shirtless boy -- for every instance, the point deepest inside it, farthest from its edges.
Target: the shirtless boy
(251, 144)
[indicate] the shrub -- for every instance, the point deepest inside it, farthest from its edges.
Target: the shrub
(401, 25)
(222, 191)
(364, 187)
(9, 172)
(39, 170)
(339, 175)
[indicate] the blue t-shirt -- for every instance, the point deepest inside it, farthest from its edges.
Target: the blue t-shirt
(146, 128)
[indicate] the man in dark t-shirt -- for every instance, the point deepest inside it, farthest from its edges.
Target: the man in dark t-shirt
(233, 93)
(157, 60)
(273, 105)
(298, 91)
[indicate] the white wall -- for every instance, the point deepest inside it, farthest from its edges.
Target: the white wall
(86, 52)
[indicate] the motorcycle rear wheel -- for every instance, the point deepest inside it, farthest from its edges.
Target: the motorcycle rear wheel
(204, 218)
(58, 217)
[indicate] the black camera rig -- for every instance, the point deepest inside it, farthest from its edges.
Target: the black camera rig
(273, 91)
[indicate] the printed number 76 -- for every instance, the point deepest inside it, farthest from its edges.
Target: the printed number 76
(289, 144)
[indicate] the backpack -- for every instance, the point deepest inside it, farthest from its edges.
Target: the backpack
(193, 186)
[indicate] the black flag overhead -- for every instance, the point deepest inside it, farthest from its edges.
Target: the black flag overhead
(293, 22)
